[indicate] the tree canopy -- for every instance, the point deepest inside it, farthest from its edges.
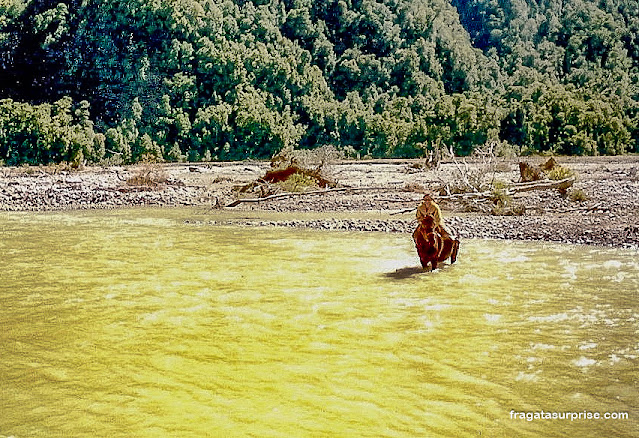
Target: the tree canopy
(121, 81)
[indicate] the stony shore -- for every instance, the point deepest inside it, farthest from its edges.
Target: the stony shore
(606, 213)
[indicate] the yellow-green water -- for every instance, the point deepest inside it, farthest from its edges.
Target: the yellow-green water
(134, 324)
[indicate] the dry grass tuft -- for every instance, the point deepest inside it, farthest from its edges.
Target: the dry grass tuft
(578, 195)
(148, 176)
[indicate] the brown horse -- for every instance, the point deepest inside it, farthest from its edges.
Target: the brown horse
(428, 246)
(432, 246)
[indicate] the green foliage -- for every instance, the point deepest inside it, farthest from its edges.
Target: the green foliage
(560, 172)
(578, 195)
(231, 79)
(46, 133)
(298, 183)
(503, 204)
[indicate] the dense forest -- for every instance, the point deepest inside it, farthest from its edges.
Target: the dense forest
(110, 81)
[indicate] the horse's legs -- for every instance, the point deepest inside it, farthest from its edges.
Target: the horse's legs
(453, 255)
(446, 248)
(422, 247)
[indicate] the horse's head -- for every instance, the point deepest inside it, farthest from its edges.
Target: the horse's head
(434, 242)
(428, 222)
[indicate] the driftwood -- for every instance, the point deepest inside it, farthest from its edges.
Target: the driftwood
(406, 210)
(515, 188)
(563, 184)
(312, 192)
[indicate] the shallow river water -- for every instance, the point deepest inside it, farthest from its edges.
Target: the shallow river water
(132, 323)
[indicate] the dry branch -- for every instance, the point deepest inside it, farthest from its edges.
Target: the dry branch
(406, 210)
(562, 184)
(312, 192)
(517, 188)
(520, 187)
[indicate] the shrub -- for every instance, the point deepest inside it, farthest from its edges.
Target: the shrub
(503, 203)
(559, 172)
(578, 195)
(298, 182)
(148, 176)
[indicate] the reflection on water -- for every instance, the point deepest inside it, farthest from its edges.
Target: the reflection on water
(132, 323)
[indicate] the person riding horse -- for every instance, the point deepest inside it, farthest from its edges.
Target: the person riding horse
(433, 239)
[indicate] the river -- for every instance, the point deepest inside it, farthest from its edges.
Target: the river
(133, 323)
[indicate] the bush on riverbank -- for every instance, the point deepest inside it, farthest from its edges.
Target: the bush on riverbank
(48, 133)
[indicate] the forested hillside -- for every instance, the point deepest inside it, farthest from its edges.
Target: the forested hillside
(119, 81)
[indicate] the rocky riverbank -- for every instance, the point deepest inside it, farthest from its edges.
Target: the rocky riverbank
(478, 227)
(602, 207)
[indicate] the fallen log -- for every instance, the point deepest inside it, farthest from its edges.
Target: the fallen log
(561, 184)
(312, 192)
(516, 188)
(405, 210)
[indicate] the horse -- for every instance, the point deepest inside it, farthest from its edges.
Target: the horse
(432, 246)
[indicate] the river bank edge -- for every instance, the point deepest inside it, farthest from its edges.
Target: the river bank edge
(607, 213)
